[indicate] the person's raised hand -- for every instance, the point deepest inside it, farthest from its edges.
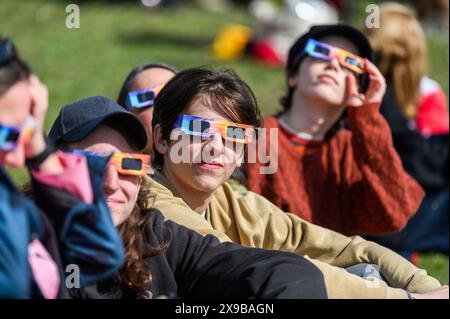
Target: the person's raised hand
(374, 92)
(39, 106)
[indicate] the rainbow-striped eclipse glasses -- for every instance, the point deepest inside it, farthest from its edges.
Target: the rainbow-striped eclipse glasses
(141, 99)
(10, 136)
(125, 163)
(324, 51)
(199, 126)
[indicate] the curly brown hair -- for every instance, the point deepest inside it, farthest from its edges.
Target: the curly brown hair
(134, 234)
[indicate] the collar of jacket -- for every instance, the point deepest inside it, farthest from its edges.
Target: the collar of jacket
(160, 178)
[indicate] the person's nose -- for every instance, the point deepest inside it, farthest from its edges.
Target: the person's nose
(111, 179)
(215, 144)
(334, 64)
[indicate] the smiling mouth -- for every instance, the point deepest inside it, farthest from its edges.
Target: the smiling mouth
(211, 165)
(114, 201)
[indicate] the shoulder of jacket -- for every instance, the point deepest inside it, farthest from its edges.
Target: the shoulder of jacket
(253, 202)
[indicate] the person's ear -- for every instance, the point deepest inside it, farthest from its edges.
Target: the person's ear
(159, 141)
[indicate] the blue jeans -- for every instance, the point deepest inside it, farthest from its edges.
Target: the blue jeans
(365, 270)
(425, 231)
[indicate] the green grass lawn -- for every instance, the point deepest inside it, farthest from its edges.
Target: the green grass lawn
(93, 60)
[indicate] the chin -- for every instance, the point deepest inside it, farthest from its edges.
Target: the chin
(117, 221)
(207, 183)
(330, 96)
(118, 217)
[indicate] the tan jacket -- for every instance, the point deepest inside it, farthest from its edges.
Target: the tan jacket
(249, 219)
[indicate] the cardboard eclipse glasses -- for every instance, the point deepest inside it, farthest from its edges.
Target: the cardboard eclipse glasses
(326, 52)
(141, 99)
(199, 126)
(125, 163)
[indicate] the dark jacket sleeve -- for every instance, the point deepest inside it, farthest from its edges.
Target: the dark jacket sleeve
(425, 158)
(86, 234)
(205, 268)
(16, 225)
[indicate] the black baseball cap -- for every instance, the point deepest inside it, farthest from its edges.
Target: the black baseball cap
(319, 31)
(78, 119)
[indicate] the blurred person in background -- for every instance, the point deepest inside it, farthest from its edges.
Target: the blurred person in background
(276, 24)
(279, 23)
(139, 90)
(69, 222)
(433, 12)
(416, 109)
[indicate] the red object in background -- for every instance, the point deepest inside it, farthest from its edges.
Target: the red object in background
(432, 117)
(338, 4)
(415, 258)
(264, 52)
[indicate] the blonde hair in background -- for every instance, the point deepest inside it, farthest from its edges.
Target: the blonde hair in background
(401, 49)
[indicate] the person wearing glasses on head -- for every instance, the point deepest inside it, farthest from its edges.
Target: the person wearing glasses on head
(68, 222)
(139, 91)
(337, 165)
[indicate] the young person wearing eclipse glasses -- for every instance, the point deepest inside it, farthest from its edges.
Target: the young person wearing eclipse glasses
(34, 252)
(337, 166)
